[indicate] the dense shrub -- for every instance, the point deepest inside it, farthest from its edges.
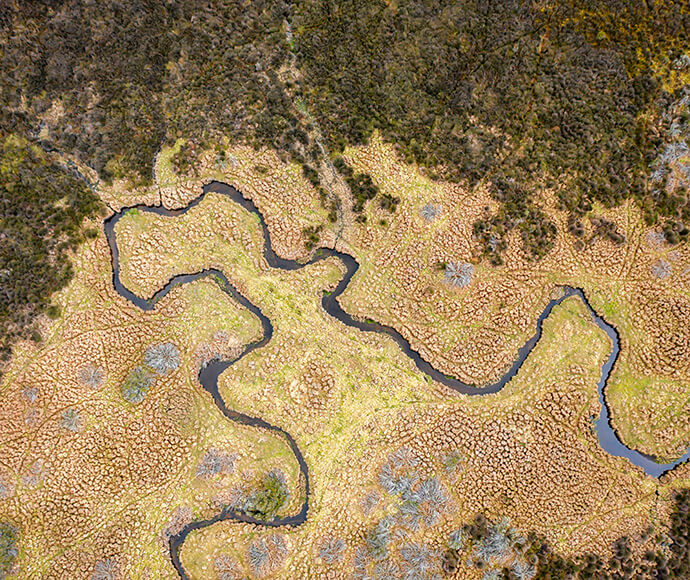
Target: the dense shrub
(9, 536)
(271, 495)
(129, 77)
(523, 95)
(137, 384)
(42, 206)
(561, 93)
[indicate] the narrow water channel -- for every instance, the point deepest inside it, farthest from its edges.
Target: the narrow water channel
(208, 376)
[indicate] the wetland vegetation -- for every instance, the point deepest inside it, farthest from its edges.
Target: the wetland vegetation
(588, 100)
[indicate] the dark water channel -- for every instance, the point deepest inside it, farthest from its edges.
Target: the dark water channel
(208, 376)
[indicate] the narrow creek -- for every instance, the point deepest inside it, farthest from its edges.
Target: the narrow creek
(208, 376)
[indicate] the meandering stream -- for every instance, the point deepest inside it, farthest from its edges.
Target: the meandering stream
(209, 374)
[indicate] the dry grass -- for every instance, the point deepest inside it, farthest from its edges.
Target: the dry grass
(473, 332)
(528, 450)
(110, 489)
(91, 478)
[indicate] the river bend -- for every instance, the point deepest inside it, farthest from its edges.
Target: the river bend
(208, 375)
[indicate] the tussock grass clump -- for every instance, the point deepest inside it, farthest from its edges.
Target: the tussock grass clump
(331, 550)
(162, 358)
(226, 568)
(92, 376)
(430, 212)
(215, 462)
(30, 394)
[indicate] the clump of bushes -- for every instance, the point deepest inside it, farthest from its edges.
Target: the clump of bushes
(423, 503)
(137, 384)
(453, 461)
(670, 177)
(312, 235)
(272, 494)
(378, 538)
(516, 212)
(9, 536)
(159, 359)
(30, 394)
(421, 499)
(389, 202)
(420, 561)
(258, 556)
(399, 473)
(363, 188)
(494, 547)
(674, 560)
(607, 229)
(311, 174)
(418, 500)
(500, 550)
(661, 269)
(184, 159)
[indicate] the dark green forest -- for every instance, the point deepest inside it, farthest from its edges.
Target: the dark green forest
(522, 95)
